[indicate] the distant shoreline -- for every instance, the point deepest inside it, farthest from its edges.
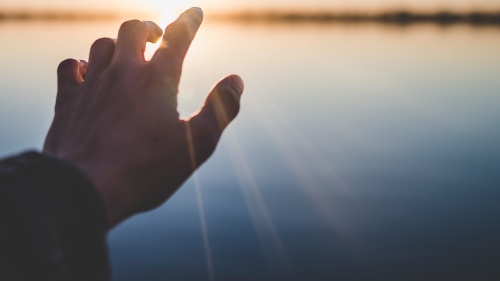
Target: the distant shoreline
(394, 17)
(399, 18)
(55, 16)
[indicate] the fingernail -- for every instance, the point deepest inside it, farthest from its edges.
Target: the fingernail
(238, 83)
(198, 11)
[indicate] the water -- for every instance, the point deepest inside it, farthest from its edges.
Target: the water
(362, 152)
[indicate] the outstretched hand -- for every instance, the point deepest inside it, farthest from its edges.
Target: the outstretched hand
(116, 116)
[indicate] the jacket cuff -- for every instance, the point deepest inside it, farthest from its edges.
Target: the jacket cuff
(75, 218)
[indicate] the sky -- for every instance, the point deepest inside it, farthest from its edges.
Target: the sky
(220, 5)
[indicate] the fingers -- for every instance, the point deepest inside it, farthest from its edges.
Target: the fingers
(176, 41)
(221, 107)
(101, 54)
(132, 38)
(70, 74)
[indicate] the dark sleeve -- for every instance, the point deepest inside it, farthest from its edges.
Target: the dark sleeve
(52, 223)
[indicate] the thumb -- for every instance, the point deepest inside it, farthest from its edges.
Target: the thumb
(221, 107)
(223, 103)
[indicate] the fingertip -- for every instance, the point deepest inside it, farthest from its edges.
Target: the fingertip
(237, 82)
(68, 75)
(101, 54)
(155, 32)
(197, 11)
(67, 65)
(177, 39)
(133, 36)
(195, 15)
(224, 100)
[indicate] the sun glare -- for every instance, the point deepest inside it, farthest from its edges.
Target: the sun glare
(163, 20)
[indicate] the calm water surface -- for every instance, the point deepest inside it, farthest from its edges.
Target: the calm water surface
(361, 152)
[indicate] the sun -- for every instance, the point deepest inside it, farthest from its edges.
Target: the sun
(163, 20)
(167, 11)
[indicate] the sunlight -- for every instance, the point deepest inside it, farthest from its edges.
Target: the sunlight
(163, 20)
(170, 5)
(204, 227)
(270, 241)
(320, 194)
(200, 205)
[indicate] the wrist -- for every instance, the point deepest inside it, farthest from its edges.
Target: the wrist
(116, 201)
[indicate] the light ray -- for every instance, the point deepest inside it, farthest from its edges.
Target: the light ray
(310, 151)
(259, 213)
(200, 205)
(301, 170)
(204, 228)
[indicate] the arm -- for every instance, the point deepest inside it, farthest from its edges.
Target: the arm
(116, 147)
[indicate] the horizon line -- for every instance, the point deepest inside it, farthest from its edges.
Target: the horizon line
(56, 16)
(401, 17)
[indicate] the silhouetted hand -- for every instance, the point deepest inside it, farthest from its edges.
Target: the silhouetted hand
(116, 117)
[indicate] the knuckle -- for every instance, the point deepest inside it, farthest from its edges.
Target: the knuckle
(159, 82)
(185, 25)
(118, 69)
(156, 69)
(168, 74)
(176, 63)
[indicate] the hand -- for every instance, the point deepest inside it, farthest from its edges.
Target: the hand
(116, 117)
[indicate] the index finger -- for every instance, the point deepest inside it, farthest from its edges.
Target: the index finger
(176, 41)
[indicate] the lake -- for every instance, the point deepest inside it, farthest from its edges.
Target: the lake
(361, 152)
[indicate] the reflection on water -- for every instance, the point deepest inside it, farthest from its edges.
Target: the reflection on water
(361, 152)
